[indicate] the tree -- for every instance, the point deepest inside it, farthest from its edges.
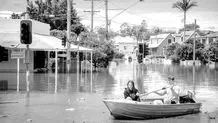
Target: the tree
(212, 51)
(44, 10)
(102, 33)
(190, 27)
(184, 6)
(104, 51)
(170, 50)
(156, 30)
(139, 32)
(125, 30)
(15, 16)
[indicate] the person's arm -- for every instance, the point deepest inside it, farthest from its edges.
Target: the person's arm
(161, 93)
(126, 94)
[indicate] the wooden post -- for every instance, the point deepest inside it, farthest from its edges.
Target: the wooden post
(106, 18)
(91, 72)
(18, 74)
(56, 70)
(194, 44)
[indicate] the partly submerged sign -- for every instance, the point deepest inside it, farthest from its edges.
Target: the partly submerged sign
(17, 53)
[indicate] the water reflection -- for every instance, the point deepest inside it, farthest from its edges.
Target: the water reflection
(111, 83)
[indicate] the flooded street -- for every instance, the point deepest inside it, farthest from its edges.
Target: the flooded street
(70, 101)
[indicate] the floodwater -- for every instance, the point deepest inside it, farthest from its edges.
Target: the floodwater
(70, 101)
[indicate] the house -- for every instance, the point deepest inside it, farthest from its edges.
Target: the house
(42, 49)
(212, 37)
(205, 39)
(126, 45)
(158, 44)
(188, 35)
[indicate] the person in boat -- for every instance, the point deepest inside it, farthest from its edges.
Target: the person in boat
(131, 93)
(171, 93)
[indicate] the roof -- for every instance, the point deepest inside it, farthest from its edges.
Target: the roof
(126, 39)
(160, 37)
(187, 33)
(39, 42)
(212, 35)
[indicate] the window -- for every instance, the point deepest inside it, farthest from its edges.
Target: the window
(203, 41)
(3, 54)
(124, 47)
(169, 41)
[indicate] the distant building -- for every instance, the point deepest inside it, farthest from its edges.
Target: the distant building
(126, 45)
(213, 37)
(7, 14)
(159, 43)
(188, 35)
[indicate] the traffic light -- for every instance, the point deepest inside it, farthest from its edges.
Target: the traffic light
(26, 32)
(140, 58)
(64, 41)
(140, 48)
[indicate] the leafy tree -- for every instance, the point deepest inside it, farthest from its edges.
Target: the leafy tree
(156, 30)
(184, 6)
(190, 27)
(212, 52)
(170, 50)
(15, 16)
(43, 10)
(185, 52)
(126, 29)
(102, 33)
(139, 32)
(104, 51)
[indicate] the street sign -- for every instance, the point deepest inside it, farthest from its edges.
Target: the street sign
(17, 53)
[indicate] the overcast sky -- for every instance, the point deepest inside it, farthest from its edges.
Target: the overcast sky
(156, 12)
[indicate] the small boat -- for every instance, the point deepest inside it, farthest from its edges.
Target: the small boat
(123, 109)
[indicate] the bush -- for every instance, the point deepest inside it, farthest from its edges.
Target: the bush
(175, 59)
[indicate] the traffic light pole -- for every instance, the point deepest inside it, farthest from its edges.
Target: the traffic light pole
(27, 61)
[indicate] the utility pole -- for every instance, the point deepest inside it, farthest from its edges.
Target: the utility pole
(106, 18)
(194, 43)
(68, 34)
(92, 13)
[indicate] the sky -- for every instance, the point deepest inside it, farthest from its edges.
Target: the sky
(155, 12)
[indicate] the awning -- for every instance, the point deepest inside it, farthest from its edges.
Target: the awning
(39, 43)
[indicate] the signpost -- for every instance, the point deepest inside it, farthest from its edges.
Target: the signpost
(18, 54)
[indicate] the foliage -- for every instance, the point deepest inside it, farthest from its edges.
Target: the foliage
(139, 32)
(156, 30)
(43, 10)
(170, 50)
(185, 52)
(15, 16)
(184, 5)
(102, 33)
(212, 51)
(175, 58)
(190, 27)
(104, 51)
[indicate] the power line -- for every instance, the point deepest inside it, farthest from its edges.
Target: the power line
(125, 9)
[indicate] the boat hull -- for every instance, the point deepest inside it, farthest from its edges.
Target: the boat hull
(121, 109)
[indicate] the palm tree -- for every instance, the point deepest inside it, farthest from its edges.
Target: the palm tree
(184, 5)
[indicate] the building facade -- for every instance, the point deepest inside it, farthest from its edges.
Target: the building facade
(158, 44)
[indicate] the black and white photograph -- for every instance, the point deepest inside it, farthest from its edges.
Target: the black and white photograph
(108, 61)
